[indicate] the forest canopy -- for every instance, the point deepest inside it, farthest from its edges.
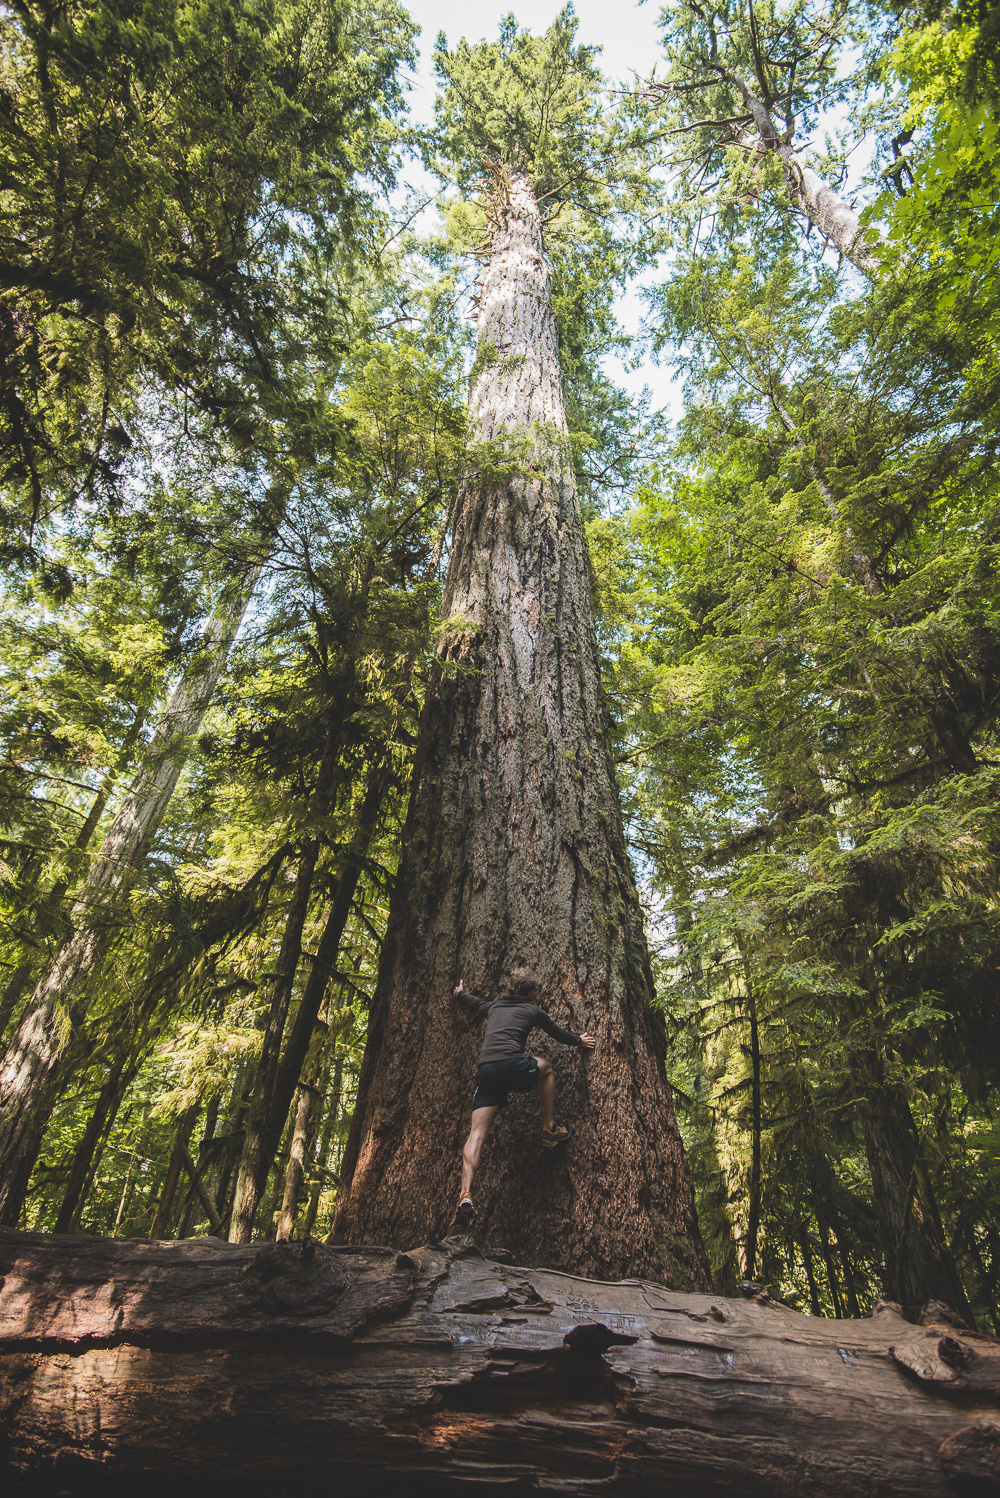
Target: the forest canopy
(233, 437)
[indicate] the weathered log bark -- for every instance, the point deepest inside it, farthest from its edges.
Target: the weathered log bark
(29, 1071)
(300, 1369)
(514, 851)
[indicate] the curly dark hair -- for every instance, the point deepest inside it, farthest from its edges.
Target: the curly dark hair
(523, 980)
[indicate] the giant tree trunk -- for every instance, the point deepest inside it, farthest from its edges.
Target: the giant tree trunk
(513, 851)
(29, 1071)
(253, 1370)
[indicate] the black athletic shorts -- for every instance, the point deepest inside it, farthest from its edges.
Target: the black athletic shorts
(496, 1080)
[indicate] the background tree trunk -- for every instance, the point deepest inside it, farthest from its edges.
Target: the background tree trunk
(918, 1263)
(258, 1145)
(253, 1370)
(29, 1070)
(836, 220)
(87, 1153)
(514, 851)
(185, 1126)
(294, 1174)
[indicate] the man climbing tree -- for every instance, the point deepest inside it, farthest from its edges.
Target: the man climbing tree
(514, 820)
(504, 1068)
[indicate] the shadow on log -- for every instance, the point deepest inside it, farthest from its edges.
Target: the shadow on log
(210, 1368)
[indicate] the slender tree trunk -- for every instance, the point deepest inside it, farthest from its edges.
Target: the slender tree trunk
(278, 1072)
(57, 893)
(851, 1288)
(16, 984)
(84, 1161)
(807, 1264)
(182, 1134)
(255, 1157)
(321, 1154)
(987, 1280)
(918, 1264)
(304, 1110)
(208, 1134)
(29, 1071)
(835, 219)
(753, 1213)
(321, 971)
(514, 850)
(265, 1119)
(198, 1187)
(831, 1268)
(126, 1195)
(815, 199)
(233, 1135)
(303, 1129)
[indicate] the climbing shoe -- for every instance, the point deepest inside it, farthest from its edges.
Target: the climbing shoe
(465, 1211)
(556, 1135)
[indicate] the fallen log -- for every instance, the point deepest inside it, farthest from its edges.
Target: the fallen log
(207, 1367)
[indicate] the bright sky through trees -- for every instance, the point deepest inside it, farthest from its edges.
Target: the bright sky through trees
(627, 34)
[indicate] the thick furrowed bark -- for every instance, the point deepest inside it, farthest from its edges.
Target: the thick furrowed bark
(514, 850)
(264, 1370)
(30, 1069)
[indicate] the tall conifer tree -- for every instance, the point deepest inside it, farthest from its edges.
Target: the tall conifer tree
(514, 848)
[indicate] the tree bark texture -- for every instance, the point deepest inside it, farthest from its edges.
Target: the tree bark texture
(285, 1369)
(514, 851)
(29, 1070)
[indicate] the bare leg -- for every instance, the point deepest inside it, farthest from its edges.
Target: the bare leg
(546, 1091)
(481, 1120)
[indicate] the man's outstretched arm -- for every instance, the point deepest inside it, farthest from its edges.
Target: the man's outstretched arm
(566, 1037)
(471, 1001)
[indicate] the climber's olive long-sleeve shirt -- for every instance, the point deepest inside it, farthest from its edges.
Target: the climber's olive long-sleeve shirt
(508, 1021)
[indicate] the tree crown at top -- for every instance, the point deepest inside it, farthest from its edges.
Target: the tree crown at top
(535, 105)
